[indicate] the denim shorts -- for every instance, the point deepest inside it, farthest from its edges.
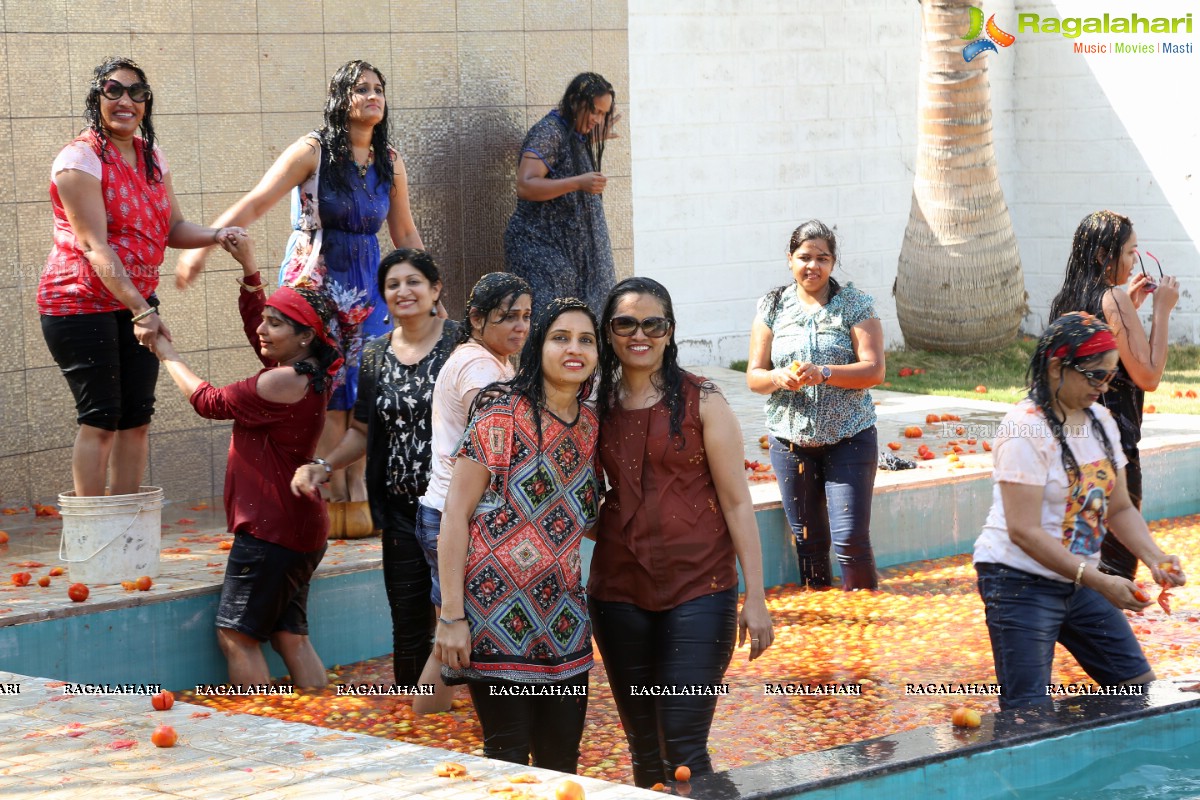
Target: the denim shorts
(429, 525)
(266, 588)
(1027, 614)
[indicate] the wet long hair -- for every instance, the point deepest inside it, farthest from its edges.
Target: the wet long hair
(1095, 251)
(492, 291)
(669, 378)
(812, 229)
(91, 114)
(325, 355)
(1070, 330)
(578, 99)
(335, 132)
(529, 382)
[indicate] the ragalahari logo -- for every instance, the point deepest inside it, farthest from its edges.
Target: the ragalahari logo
(994, 36)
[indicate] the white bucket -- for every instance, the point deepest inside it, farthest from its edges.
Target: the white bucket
(111, 538)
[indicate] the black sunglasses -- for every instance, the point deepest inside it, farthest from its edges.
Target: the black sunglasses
(1096, 377)
(654, 327)
(1152, 285)
(113, 89)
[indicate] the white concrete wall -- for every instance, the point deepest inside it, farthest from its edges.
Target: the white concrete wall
(754, 115)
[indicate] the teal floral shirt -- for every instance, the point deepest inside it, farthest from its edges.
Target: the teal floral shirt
(824, 414)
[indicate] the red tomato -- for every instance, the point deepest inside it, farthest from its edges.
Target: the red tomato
(981, 389)
(162, 700)
(568, 790)
(56, 571)
(143, 583)
(913, 432)
(683, 773)
(3, 537)
(164, 736)
(894, 445)
(77, 592)
(21, 578)
(44, 581)
(905, 372)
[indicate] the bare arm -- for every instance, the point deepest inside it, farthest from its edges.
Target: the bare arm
(188, 235)
(532, 183)
(452, 645)
(761, 376)
(400, 221)
(83, 203)
(351, 448)
(723, 449)
(1144, 358)
(186, 380)
(292, 167)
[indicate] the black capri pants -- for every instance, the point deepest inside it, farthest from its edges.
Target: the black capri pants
(110, 374)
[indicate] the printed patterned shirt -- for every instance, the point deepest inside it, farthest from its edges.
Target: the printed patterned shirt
(524, 595)
(817, 415)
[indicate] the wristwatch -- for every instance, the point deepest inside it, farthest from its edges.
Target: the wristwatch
(826, 373)
(323, 463)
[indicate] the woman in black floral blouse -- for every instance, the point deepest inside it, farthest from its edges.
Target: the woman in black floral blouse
(391, 426)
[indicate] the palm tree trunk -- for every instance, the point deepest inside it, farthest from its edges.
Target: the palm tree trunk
(959, 286)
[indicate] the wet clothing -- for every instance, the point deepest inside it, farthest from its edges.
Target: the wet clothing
(561, 246)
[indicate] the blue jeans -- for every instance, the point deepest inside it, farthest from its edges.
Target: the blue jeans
(1027, 614)
(429, 525)
(826, 493)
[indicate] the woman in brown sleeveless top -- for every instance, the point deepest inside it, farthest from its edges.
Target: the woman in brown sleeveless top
(663, 586)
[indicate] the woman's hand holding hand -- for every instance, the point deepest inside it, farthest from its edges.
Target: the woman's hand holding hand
(163, 347)
(148, 329)
(308, 479)
(452, 644)
(755, 623)
(238, 244)
(591, 182)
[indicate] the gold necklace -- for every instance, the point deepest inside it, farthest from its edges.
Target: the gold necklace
(362, 168)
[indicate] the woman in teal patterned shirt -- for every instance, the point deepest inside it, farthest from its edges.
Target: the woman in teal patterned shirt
(815, 349)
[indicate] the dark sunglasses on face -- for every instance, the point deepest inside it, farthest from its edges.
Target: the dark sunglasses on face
(138, 92)
(654, 327)
(1096, 377)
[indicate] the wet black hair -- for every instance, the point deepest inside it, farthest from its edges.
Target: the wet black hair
(335, 133)
(1069, 330)
(1095, 251)
(492, 291)
(812, 229)
(91, 114)
(578, 99)
(669, 379)
(421, 261)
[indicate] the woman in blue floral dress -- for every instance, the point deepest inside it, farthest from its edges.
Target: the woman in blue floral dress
(557, 238)
(816, 348)
(346, 181)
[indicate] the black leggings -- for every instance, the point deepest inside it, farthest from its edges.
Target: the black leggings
(1115, 558)
(549, 727)
(407, 581)
(689, 645)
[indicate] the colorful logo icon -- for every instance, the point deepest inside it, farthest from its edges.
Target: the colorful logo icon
(994, 36)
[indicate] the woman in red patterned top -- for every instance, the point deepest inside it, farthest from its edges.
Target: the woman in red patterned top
(514, 622)
(277, 415)
(115, 214)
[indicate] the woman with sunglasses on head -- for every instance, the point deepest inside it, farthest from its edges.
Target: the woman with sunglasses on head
(816, 348)
(1058, 474)
(391, 427)
(663, 587)
(1101, 263)
(115, 213)
(557, 238)
(514, 624)
(346, 182)
(279, 539)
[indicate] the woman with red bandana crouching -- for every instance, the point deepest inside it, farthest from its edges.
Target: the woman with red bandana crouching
(1059, 490)
(277, 415)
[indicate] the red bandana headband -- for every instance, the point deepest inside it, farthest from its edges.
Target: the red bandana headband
(290, 302)
(1099, 342)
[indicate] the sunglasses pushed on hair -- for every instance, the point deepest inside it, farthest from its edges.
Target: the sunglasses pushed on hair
(654, 327)
(113, 89)
(1151, 284)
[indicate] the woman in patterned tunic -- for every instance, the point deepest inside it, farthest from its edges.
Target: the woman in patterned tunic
(557, 238)
(391, 426)
(816, 348)
(346, 181)
(115, 213)
(514, 623)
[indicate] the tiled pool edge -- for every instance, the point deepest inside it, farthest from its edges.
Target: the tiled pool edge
(1008, 744)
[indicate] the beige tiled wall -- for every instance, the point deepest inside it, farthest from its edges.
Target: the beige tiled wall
(236, 81)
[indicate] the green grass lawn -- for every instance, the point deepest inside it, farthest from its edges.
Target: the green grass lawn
(1003, 374)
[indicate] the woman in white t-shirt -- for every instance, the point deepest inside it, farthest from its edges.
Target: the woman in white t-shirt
(1059, 489)
(495, 327)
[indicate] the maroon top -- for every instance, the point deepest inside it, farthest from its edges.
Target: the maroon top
(662, 538)
(270, 440)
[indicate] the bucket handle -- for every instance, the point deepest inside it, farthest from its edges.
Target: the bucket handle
(62, 541)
